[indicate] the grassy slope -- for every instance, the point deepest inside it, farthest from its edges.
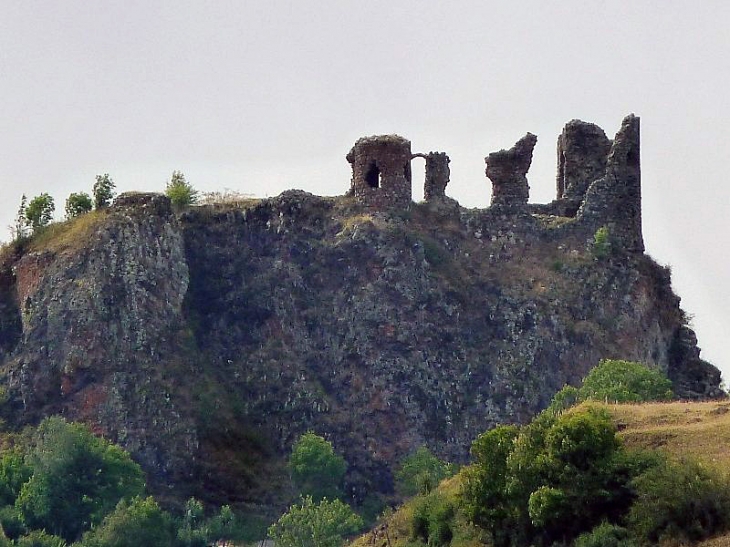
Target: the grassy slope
(696, 430)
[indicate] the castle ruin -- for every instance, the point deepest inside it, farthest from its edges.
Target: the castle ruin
(598, 179)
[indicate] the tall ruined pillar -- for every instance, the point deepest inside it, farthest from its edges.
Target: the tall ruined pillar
(437, 175)
(615, 200)
(507, 169)
(381, 171)
(582, 155)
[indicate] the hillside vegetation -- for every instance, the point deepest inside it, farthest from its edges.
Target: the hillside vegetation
(683, 431)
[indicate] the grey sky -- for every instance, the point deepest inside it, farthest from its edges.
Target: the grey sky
(262, 96)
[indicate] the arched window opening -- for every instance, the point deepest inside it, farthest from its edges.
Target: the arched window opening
(372, 176)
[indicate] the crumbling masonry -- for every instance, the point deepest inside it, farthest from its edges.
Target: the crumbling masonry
(381, 171)
(598, 180)
(507, 169)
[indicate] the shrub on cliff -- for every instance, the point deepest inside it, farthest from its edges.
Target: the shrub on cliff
(602, 243)
(616, 381)
(315, 468)
(420, 472)
(180, 191)
(39, 211)
(78, 204)
(103, 191)
(625, 382)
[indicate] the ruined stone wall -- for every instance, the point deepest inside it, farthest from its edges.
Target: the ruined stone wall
(381, 171)
(598, 181)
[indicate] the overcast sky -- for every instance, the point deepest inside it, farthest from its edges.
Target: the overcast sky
(263, 96)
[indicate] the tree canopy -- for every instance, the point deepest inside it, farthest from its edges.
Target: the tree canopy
(625, 382)
(78, 204)
(76, 479)
(421, 472)
(39, 212)
(311, 524)
(103, 191)
(180, 191)
(315, 468)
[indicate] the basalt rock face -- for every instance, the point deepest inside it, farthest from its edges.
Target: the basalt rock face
(99, 325)
(206, 342)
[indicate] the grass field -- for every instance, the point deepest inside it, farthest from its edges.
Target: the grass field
(695, 430)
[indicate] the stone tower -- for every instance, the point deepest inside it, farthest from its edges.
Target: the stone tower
(582, 156)
(381, 171)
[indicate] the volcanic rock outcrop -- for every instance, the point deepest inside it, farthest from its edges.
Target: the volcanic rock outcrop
(206, 341)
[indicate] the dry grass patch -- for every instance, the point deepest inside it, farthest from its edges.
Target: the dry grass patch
(694, 430)
(720, 541)
(68, 235)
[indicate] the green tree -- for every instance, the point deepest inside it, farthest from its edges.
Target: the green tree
(682, 501)
(133, 523)
(40, 538)
(421, 472)
(433, 519)
(180, 191)
(223, 526)
(77, 479)
(39, 212)
(78, 204)
(311, 524)
(625, 382)
(315, 468)
(602, 243)
(606, 535)
(192, 531)
(103, 191)
(4, 541)
(11, 522)
(564, 399)
(19, 229)
(14, 472)
(548, 481)
(486, 500)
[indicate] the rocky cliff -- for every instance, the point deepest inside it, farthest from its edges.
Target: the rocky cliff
(206, 341)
